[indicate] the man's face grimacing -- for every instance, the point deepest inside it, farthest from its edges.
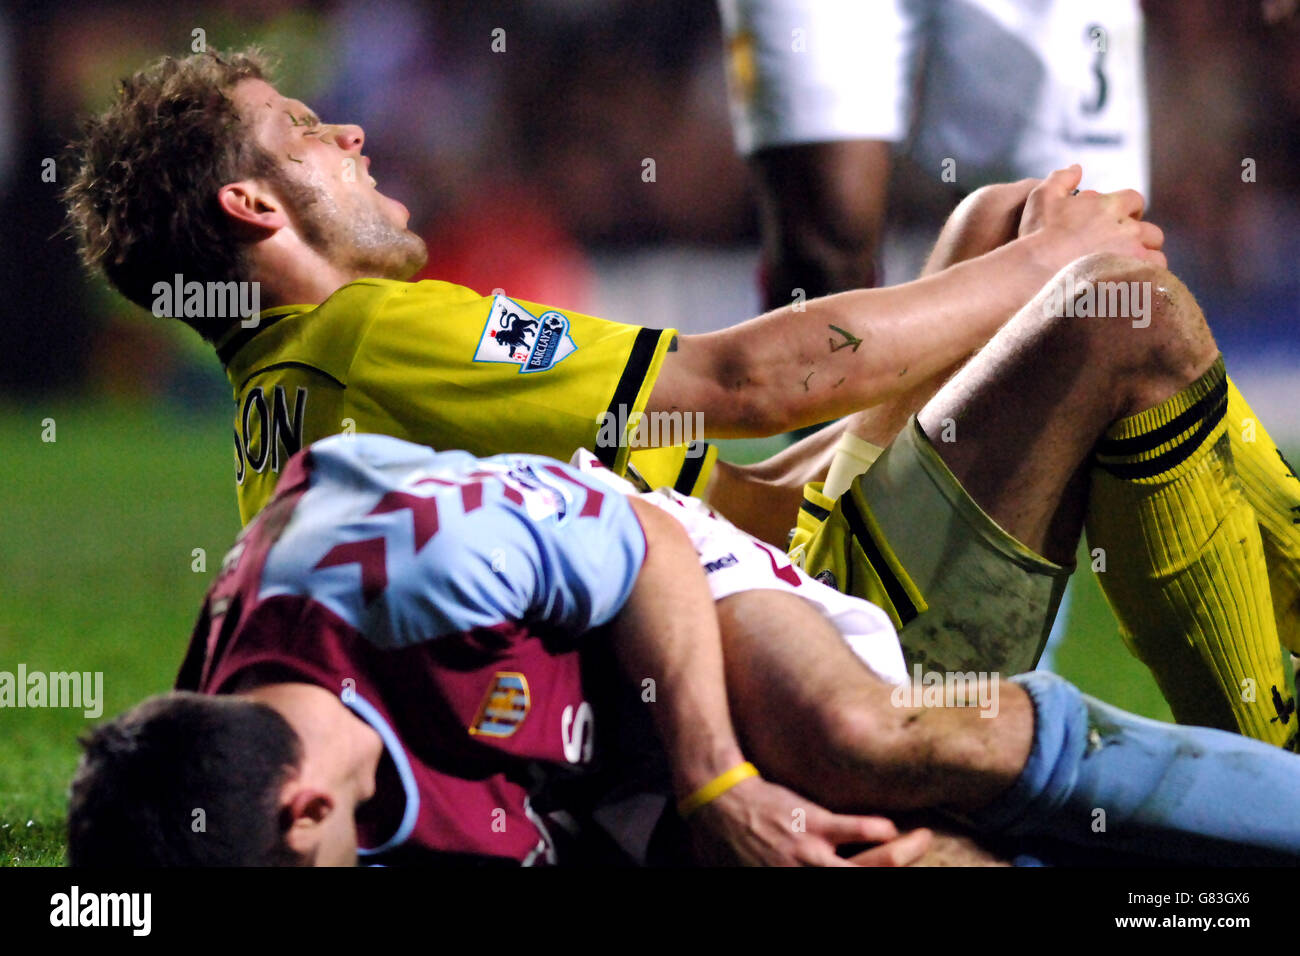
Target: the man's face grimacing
(324, 183)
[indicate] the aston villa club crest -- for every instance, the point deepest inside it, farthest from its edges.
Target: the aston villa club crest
(504, 707)
(514, 336)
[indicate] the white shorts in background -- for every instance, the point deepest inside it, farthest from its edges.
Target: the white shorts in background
(1004, 88)
(734, 561)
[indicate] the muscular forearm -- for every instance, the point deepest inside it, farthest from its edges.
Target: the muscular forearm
(848, 351)
(843, 353)
(668, 632)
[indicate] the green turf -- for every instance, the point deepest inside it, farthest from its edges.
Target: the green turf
(95, 557)
(1094, 656)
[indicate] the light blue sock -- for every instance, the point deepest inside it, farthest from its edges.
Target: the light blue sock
(1104, 779)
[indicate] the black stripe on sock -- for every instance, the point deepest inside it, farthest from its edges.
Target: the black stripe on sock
(1174, 456)
(1169, 430)
(893, 588)
(629, 383)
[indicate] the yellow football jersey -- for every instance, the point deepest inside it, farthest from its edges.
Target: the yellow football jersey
(439, 364)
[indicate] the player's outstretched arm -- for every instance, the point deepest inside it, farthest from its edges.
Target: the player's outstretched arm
(813, 361)
(668, 631)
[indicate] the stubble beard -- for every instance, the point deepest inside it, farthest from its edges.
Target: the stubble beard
(359, 240)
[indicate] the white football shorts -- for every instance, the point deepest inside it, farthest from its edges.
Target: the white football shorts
(734, 561)
(1000, 89)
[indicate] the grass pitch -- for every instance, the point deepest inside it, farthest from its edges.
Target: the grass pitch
(96, 559)
(99, 572)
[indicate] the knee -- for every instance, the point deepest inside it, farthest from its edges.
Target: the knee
(1138, 315)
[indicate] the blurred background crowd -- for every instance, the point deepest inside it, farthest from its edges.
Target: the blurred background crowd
(523, 168)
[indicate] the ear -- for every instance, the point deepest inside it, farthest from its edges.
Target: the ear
(304, 813)
(252, 205)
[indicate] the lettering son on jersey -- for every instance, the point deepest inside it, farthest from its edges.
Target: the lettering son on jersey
(269, 429)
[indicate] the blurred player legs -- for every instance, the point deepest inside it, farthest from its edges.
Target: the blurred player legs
(973, 91)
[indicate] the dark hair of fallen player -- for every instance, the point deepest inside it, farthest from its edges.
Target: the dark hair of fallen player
(184, 780)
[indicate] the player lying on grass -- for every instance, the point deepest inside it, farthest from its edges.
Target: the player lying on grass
(439, 658)
(203, 169)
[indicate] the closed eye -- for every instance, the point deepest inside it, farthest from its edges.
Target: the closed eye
(309, 120)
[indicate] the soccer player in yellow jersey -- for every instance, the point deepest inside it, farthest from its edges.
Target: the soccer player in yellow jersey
(438, 364)
(203, 172)
(342, 343)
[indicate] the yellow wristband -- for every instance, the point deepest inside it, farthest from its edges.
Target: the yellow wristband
(716, 788)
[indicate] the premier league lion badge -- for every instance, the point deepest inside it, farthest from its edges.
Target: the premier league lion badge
(514, 336)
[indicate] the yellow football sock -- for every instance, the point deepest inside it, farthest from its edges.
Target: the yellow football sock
(1273, 491)
(1184, 566)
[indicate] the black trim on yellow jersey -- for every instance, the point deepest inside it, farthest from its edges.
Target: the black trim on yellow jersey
(266, 368)
(634, 475)
(898, 595)
(227, 349)
(696, 453)
(816, 510)
(629, 384)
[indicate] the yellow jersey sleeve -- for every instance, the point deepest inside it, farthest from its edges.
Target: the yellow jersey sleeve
(684, 468)
(439, 364)
(443, 366)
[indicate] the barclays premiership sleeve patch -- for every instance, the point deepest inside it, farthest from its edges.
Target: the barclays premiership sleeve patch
(514, 336)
